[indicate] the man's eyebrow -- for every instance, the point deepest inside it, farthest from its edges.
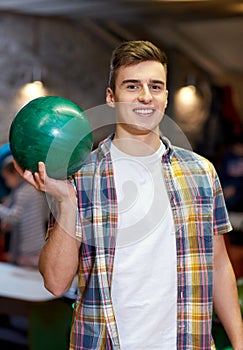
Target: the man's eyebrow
(130, 81)
(153, 81)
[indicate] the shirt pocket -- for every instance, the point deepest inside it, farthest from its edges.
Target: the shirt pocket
(203, 230)
(195, 229)
(199, 215)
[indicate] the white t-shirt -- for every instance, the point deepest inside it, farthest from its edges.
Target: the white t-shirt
(144, 285)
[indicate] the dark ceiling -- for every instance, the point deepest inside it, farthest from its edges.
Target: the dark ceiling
(210, 31)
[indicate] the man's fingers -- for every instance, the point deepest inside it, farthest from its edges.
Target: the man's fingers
(42, 172)
(29, 177)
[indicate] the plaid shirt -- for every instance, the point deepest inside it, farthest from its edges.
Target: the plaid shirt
(199, 212)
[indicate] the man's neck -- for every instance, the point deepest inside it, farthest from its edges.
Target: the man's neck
(137, 145)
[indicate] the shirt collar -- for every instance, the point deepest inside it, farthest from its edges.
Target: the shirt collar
(105, 146)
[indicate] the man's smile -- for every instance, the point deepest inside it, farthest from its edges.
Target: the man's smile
(144, 111)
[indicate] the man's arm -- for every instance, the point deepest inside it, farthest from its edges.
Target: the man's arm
(59, 257)
(225, 295)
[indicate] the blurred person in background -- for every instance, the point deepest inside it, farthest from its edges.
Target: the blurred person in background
(4, 231)
(23, 215)
(231, 176)
(4, 191)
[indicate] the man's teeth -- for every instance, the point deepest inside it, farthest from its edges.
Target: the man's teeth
(143, 111)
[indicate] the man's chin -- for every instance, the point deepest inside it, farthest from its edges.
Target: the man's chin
(140, 129)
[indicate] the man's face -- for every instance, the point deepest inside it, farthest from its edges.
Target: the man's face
(140, 97)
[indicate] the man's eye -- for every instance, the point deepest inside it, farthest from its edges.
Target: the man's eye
(156, 87)
(132, 87)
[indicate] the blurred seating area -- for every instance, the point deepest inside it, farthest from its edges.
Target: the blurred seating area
(31, 317)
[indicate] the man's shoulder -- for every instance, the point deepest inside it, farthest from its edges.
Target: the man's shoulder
(188, 155)
(190, 159)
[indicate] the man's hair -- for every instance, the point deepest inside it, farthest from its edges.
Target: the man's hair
(133, 52)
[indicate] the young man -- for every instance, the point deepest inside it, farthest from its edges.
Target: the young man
(147, 242)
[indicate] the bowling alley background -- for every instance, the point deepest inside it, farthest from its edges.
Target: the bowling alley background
(57, 56)
(48, 57)
(69, 55)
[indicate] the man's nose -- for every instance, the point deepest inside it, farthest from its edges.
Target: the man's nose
(145, 95)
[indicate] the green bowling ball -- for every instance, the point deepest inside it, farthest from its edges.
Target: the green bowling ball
(53, 130)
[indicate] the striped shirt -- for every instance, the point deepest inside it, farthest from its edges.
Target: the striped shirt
(199, 212)
(26, 211)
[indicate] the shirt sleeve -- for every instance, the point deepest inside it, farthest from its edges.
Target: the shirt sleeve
(221, 218)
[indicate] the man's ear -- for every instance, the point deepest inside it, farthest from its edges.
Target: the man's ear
(166, 103)
(110, 98)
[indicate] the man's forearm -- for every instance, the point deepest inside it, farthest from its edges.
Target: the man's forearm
(228, 312)
(59, 257)
(226, 305)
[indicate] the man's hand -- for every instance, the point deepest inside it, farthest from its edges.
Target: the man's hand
(60, 189)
